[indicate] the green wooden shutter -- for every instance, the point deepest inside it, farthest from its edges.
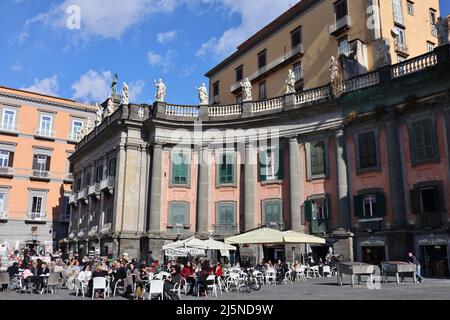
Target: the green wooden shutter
(380, 205)
(414, 197)
(358, 202)
(308, 210)
(262, 165)
(280, 174)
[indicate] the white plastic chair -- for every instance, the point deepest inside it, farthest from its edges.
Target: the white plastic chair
(327, 271)
(314, 270)
(100, 283)
(301, 274)
(156, 287)
(80, 286)
(211, 284)
(259, 276)
(271, 277)
(288, 276)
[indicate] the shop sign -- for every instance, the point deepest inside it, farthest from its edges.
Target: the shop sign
(373, 243)
(432, 242)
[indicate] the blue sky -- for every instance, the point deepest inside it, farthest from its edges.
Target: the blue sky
(140, 40)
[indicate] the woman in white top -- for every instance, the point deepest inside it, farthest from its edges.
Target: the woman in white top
(85, 275)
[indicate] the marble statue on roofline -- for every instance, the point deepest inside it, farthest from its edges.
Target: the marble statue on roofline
(202, 94)
(110, 106)
(443, 30)
(247, 89)
(290, 82)
(160, 90)
(125, 97)
(99, 114)
(114, 84)
(336, 76)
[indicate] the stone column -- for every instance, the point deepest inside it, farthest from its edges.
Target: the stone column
(342, 182)
(395, 170)
(251, 175)
(155, 191)
(294, 184)
(203, 197)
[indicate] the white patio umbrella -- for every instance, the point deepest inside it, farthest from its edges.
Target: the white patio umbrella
(217, 245)
(191, 242)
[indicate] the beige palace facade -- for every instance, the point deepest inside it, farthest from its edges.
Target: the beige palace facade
(37, 134)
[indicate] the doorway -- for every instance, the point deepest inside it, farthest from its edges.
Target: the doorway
(274, 253)
(373, 255)
(435, 262)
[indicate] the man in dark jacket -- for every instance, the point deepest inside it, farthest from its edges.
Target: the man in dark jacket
(170, 283)
(412, 259)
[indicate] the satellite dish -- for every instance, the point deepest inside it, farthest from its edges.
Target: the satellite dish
(395, 32)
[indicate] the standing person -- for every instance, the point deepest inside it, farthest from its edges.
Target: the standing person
(412, 259)
(150, 259)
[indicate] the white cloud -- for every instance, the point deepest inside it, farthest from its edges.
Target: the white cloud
(166, 37)
(254, 15)
(93, 86)
(48, 86)
(111, 21)
(164, 61)
(135, 90)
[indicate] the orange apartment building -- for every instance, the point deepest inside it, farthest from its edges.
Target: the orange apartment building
(304, 38)
(37, 134)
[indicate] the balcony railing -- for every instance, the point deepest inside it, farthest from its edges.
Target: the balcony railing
(313, 95)
(40, 174)
(413, 65)
(276, 63)
(6, 171)
(182, 111)
(8, 127)
(44, 133)
(343, 23)
(4, 215)
(106, 228)
(68, 177)
(225, 229)
(226, 110)
(94, 189)
(93, 231)
(401, 48)
(36, 216)
(178, 228)
(107, 184)
(364, 81)
(265, 105)
(73, 198)
(82, 194)
(73, 137)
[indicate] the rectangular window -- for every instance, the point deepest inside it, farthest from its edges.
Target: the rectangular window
(426, 202)
(41, 162)
(4, 159)
(318, 158)
(367, 150)
(99, 174)
(298, 71)
(180, 167)
(216, 92)
(370, 205)
(178, 217)
(400, 37)
(2, 202)
(433, 19)
(9, 120)
(87, 179)
(36, 206)
(340, 9)
(262, 59)
(343, 46)
(424, 146)
(78, 184)
(226, 213)
(410, 7)
(271, 164)
(112, 167)
(296, 37)
(273, 214)
(77, 125)
(239, 73)
(45, 125)
(319, 209)
(262, 90)
(398, 13)
(226, 168)
(317, 213)
(430, 46)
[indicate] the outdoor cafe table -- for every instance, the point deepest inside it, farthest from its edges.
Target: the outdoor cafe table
(354, 269)
(399, 268)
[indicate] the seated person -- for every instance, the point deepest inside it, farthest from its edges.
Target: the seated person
(171, 281)
(188, 273)
(97, 273)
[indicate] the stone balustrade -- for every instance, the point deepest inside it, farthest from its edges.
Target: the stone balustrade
(182, 111)
(413, 65)
(313, 95)
(360, 82)
(266, 105)
(226, 110)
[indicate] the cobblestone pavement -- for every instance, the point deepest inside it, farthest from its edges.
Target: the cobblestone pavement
(312, 289)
